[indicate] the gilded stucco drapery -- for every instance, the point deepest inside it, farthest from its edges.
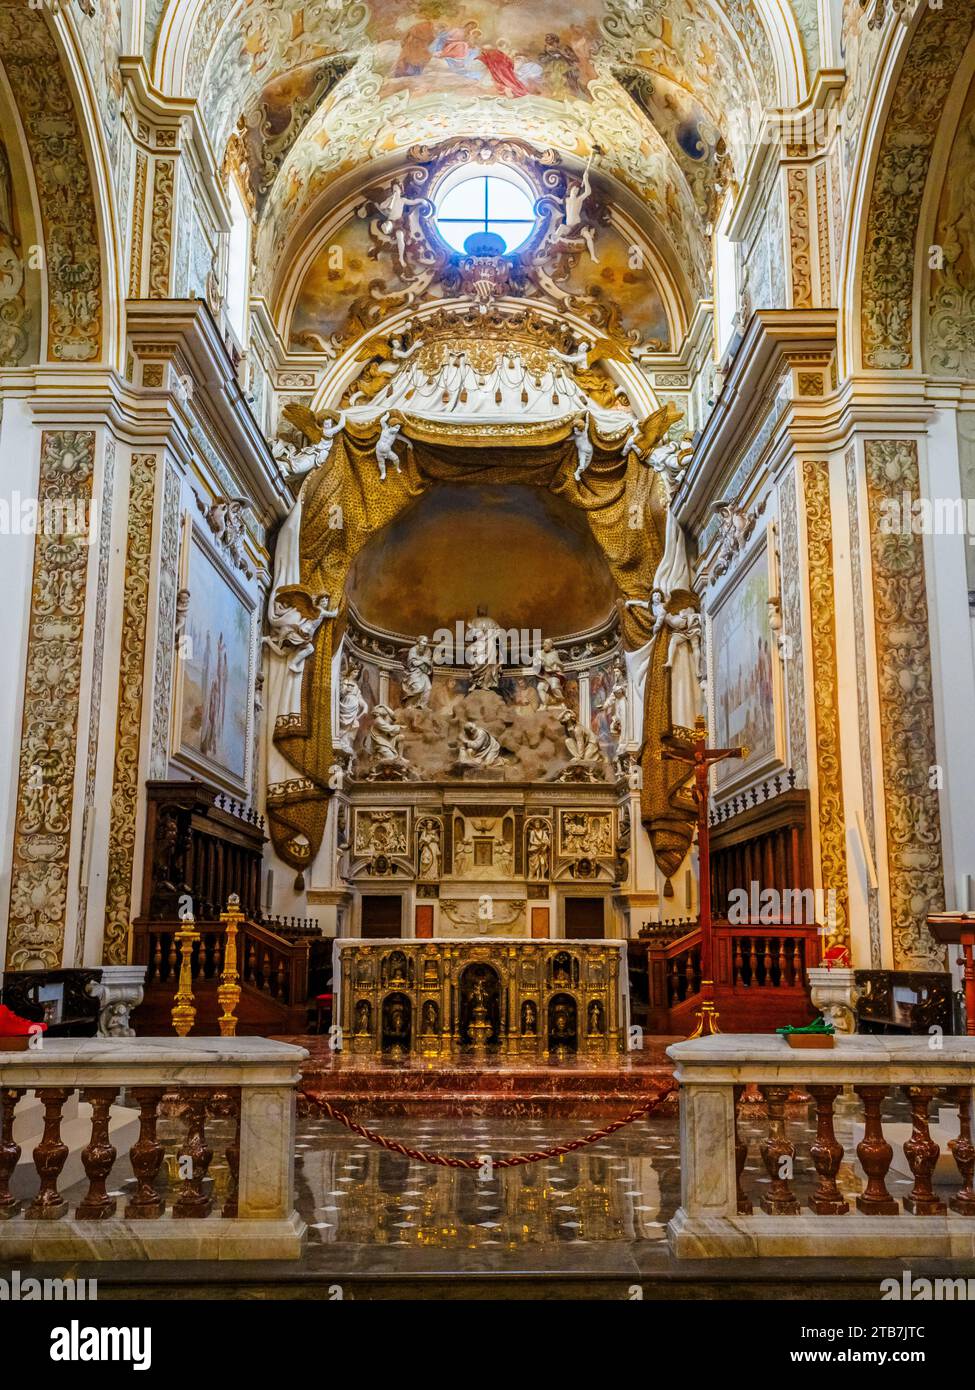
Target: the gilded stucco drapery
(345, 503)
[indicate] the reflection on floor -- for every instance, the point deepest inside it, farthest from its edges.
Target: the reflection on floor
(590, 1224)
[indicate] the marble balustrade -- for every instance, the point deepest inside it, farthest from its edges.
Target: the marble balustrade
(723, 1214)
(248, 1083)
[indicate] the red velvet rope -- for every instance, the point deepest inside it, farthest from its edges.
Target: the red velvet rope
(514, 1161)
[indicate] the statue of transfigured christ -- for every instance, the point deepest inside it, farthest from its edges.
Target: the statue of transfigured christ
(483, 651)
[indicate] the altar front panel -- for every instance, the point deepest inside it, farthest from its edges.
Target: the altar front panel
(482, 998)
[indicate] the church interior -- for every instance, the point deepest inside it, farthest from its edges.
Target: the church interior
(487, 507)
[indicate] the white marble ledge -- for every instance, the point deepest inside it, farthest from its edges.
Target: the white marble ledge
(736, 1058)
(208, 1238)
(853, 1236)
(148, 1061)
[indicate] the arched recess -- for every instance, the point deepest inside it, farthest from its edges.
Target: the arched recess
(885, 254)
(345, 503)
(76, 233)
(22, 286)
(795, 66)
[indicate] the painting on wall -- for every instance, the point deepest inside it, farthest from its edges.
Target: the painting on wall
(744, 675)
(216, 646)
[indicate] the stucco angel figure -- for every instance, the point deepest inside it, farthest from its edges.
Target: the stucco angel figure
(548, 673)
(418, 681)
(294, 616)
(395, 218)
(684, 627)
(573, 228)
(580, 434)
(301, 461)
(477, 747)
(390, 428)
(578, 358)
(670, 460)
(382, 360)
(645, 435)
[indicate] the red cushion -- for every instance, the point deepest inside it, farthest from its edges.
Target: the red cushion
(323, 999)
(13, 1026)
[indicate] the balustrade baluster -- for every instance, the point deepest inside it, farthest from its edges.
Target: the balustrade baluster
(745, 1207)
(767, 961)
(875, 1155)
(922, 1154)
(753, 961)
(9, 1151)
(778, 1155)
(826, 1153)
(780, 963)
(50, 1157)
(963, 1152)
(98, 1156)
(739, 962)
(192, 1201)
(146, 1155)
(171, 958)
(233, 1157)
(155, 969)
(266, 971)
(798, 970)
(279, 979)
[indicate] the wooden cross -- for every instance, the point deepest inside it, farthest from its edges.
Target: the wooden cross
(690, 747)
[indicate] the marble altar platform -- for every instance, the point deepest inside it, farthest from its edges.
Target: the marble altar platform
(496, 1087)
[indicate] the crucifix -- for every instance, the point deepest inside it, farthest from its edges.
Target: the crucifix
(690, 746)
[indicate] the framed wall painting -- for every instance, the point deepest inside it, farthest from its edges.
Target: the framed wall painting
(746, 675)
(214, 697)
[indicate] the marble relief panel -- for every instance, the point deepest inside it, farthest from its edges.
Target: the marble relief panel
(52, 692)
(908, 745)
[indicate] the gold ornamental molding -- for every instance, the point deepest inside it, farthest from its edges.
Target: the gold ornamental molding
(890, 250)
(36, 74)
(907, 736)
(829, 771)
(52, 693)
(125, 778)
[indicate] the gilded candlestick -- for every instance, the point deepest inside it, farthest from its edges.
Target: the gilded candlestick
(184, 1010)
(228, 994)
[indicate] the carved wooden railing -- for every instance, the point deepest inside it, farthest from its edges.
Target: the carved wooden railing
(759, 976)
(816, 1203)
(247, 1084)
(761, 838)
(203, 845)
(277, 973)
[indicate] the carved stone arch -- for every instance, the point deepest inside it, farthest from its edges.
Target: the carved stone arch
(883, 255)
(945, 329)
(42, 68)
(22, 284)
(794, 64)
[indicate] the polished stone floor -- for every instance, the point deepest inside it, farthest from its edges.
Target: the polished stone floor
(588, 1224)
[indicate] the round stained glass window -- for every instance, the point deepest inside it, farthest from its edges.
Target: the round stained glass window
(485, 202)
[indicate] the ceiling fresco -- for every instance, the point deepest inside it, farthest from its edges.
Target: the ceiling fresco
(337, 289)
(666, 94)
